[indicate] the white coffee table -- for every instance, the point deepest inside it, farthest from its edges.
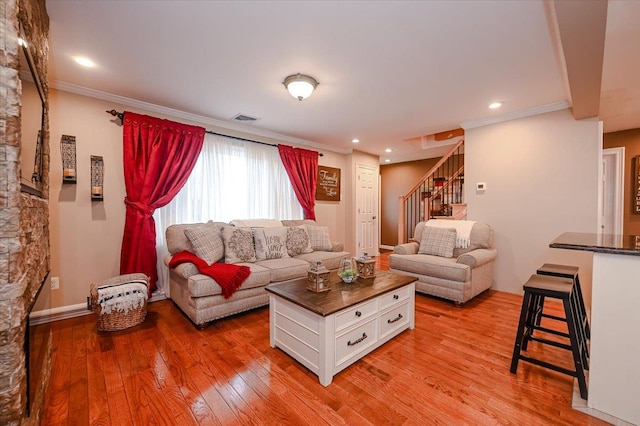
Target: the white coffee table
(327, 332)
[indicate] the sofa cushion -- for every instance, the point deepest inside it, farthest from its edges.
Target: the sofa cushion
(255, 223)
(319, 236)
(434, 266)
(238, 244)
(206, 241)
(285, 269)
(298, 241)
(438, 241)
(298, 222)
(177, 241)
(200, 285)
(330, 259)
(270, 243)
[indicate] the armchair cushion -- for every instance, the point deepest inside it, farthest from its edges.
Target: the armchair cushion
(438, 241)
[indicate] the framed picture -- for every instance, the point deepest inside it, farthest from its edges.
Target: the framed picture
(328, 186)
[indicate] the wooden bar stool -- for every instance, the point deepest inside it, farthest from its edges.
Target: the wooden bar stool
(571, 272)
(536, 290)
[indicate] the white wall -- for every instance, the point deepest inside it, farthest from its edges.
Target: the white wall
(542, 180)
(86, 236)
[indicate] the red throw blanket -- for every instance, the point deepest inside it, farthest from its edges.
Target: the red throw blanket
(230, 277)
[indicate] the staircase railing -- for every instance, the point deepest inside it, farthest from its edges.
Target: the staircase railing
(434, 194)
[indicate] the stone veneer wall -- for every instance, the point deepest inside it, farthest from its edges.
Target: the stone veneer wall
(24, 219)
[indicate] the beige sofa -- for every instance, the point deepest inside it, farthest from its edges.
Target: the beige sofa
(459, 277)
(200, 297)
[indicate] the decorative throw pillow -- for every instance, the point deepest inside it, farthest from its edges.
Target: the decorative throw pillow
(438, 241)
(206, 241)
(298, 241)
(238, 244)
(270, 243)
(319, 236)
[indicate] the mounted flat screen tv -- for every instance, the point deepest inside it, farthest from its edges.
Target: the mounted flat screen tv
(31, 122)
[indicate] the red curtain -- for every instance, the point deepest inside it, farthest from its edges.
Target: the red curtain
(302, 167)
(158, 158)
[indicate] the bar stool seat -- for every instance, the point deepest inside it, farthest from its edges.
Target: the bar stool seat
(566, 271)
(536, 289)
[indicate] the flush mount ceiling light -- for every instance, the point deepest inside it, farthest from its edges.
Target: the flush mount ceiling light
(355, 140)
(495, 105)
(300, 86)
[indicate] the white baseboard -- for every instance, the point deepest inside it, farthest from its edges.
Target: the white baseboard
(72, 311)
(57, 314)
(386, 247)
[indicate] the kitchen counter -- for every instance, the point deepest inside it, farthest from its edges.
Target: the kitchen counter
(614, 370)
(599, 243)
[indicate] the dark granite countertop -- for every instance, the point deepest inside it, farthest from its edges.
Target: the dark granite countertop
(600, 243)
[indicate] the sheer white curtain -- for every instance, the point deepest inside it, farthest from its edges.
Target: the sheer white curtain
(232, 180)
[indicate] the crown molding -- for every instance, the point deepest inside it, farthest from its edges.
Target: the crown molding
(557, 106)
(225, 125)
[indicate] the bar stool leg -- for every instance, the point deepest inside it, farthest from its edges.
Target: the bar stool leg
(520, 334)
(583, 309)
(575, 349)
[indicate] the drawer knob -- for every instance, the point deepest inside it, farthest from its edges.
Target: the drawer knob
(396, 297)
(398, 318)
(358, 340)
(358, 313)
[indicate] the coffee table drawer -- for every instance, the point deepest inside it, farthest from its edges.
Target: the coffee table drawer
(350, 344)
(357, 314)
(396, 318)
(394, 297)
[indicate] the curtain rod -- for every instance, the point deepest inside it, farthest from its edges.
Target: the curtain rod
(120, 116)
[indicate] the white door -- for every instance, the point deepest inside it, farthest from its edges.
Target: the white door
(367, 210)
(612, 186)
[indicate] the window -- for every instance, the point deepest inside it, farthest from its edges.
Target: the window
(232, 179)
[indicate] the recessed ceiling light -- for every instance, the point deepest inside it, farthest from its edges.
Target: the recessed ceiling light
(387, 161)
(495, 105)
(85, 62)
(355, 140)
(388, 150)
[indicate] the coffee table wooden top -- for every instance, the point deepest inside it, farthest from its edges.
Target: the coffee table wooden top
(341, 295)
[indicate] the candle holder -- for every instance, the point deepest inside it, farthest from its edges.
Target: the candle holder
(318, 278)
(97, 178)
(366, 266)
(68, 152)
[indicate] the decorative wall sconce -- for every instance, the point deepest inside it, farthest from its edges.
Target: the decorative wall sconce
(97, 178)
(68, 151)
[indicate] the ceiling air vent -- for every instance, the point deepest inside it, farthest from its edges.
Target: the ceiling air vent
(244, 118)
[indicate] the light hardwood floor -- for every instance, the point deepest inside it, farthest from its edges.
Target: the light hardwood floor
(453, 368)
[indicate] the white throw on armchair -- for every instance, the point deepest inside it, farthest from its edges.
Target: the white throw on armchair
(452, 259)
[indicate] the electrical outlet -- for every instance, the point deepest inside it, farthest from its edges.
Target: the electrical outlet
(55, 283)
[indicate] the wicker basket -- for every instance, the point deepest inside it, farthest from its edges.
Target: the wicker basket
(118, 319)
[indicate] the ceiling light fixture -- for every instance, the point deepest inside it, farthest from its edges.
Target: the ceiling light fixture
(355, 140)
(85, 62)
(388, 150)
(300, 86)
(387, 161)
(495, 105)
